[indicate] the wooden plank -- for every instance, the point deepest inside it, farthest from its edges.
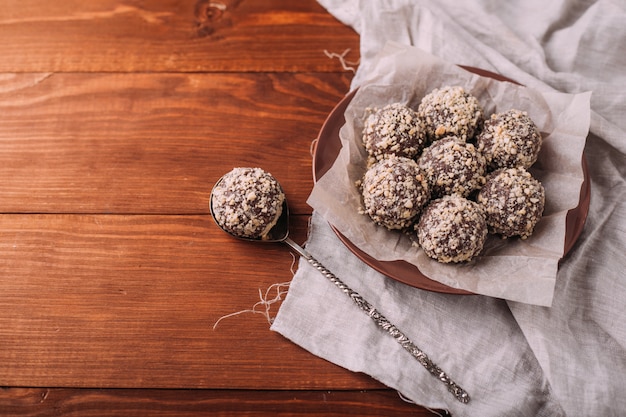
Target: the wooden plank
(131, 301)
(171, 36)
(180, 403)
(154, 143)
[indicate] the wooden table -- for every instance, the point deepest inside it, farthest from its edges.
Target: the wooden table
(116, 118)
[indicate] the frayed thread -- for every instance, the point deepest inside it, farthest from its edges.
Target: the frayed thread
(345, 64)
(407, 400)
(264, 304)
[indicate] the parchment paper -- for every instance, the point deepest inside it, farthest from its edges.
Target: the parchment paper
(512, 269)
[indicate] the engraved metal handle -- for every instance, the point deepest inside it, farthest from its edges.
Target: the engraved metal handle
(382, 322)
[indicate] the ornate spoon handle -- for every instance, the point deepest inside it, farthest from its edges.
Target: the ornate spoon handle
(382, 322)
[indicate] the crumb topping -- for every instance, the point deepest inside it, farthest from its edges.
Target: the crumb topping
(394, 129)
(453, 166)
(513, 201)
(450, 111)
(247, 202)
(394, 192)
(452, 229)
(510, 139)
(449, 196)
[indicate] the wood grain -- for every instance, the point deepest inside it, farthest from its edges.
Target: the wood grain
(171, 36)
(154, 143)
(180, 403)
(130, 302)
(116, 118)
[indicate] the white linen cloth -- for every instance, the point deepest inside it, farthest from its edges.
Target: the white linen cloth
(514, 359)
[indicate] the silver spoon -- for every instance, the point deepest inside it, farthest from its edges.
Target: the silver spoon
(280, 233)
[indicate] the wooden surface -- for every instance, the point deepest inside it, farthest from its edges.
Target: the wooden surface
(116, 118)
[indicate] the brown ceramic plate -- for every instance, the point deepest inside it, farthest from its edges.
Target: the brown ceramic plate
(326, 151)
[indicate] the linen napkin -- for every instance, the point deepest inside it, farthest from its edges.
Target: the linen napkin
(514, 359)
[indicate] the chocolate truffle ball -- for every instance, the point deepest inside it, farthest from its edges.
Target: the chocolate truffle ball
(513, 202)
(452, 229)
(394, 192)
(394, 129)
(509, 139)
(247, 202)
(452, 166)
(450, 111)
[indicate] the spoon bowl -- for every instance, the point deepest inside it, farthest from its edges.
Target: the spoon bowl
(278, 233)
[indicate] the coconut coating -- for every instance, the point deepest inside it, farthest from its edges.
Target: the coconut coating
(394, 129)
(452, 229)
(450, 110)
(509, 139)
(513, 201)
(394, 192)
(452, 166)
(247, 202)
